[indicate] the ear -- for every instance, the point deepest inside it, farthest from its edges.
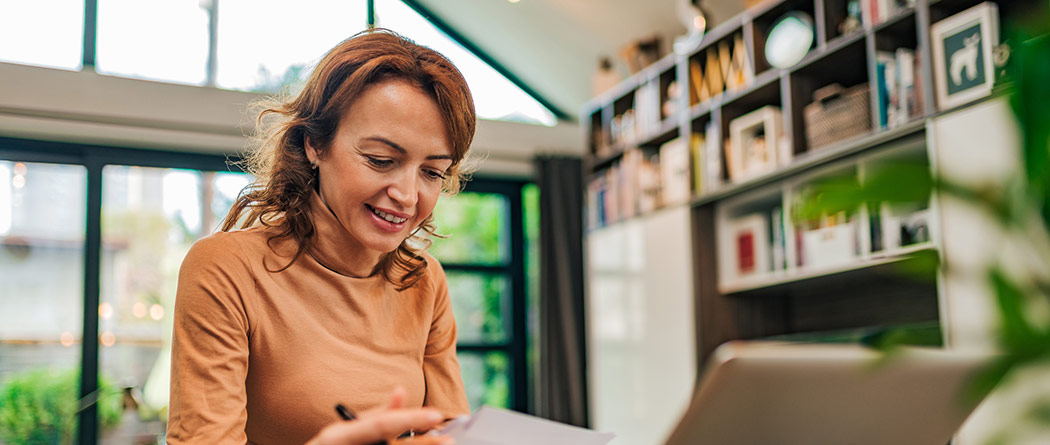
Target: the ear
(311, 152)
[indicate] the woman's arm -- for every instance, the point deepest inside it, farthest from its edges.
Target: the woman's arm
(209, 360)
(440, 365)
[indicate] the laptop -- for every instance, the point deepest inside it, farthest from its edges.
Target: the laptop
(782, 393)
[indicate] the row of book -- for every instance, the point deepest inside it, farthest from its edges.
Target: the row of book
(642, 181)
(641, 120)
(899, 87)
(758, 241)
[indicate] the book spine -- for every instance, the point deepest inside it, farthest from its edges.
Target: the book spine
(906, 85)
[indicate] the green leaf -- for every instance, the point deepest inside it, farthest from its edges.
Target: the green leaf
(896, 182)
(1018, 335)
(1029, 70)
(989, 377)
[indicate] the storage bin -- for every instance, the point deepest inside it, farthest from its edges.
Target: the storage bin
(837, 114)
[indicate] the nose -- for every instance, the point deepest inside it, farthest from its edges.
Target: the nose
(403, 189)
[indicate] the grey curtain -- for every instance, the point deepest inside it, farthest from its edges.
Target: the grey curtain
(562, 394)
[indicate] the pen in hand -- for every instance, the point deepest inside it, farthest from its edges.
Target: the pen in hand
(346, 414)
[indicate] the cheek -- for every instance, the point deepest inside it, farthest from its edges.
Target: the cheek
(427, 201)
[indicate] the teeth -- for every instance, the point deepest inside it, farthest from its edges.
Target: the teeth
(388, 217)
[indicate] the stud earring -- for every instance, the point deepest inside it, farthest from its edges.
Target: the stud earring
(313, 165)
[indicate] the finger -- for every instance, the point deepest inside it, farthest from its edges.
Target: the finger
(397, 398)
(384, 425)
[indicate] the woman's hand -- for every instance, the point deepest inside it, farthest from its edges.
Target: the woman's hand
(380, 424)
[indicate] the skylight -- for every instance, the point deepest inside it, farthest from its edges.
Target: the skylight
(495, 97)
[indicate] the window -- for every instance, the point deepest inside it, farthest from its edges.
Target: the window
(258, 45)
(268, 45)
(42, 32)
(150, 218)
(483, 256)
(164, 40)
(495, 97)
(41, 299)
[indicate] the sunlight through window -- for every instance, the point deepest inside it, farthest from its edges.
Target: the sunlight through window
(495, 97)
(46, 33)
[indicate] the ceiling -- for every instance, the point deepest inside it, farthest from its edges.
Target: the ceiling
(553, 46)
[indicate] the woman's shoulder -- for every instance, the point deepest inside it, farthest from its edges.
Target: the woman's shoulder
(434, 274)
(232, 247)
(232, 242)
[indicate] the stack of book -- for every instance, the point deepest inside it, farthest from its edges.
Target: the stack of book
(642, 181)
(899, 86)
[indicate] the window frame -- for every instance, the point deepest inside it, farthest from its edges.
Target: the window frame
(513, 270)
(90, 42)
(95, 157)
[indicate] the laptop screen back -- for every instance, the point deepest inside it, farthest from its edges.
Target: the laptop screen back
(765, 393)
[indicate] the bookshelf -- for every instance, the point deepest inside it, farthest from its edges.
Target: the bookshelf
(758, 271)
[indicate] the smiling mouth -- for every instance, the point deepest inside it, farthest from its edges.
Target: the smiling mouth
(386, 216)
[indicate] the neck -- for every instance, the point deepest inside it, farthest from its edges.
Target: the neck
(334, 247)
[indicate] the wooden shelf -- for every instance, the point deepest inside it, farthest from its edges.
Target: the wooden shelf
(906, 14)
(876, 263)
(913, 132)
(668, 130)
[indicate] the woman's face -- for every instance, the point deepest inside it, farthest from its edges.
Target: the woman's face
(383, 172)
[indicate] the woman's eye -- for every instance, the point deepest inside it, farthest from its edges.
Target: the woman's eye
(435, 175)
(381, 163)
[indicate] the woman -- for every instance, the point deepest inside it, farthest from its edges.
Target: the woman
(326, 296)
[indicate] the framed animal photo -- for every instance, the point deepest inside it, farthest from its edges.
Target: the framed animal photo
(964, 69)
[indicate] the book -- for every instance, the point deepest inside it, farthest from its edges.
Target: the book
(713, 74)
(712, 158)
(777, 241)
(883, 64)
(724, 61)
(696, 149)
(674, 172)
(649, 183)
(699, 90)
(917, 77)
(738, 76)
(494, 426)
(905, 85)
(750, 241)
(629, 189)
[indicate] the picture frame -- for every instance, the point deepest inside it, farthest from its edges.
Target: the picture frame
(963, 62)
(754, 144)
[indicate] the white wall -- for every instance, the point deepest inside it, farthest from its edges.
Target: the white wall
(641, 326)
(85, 107)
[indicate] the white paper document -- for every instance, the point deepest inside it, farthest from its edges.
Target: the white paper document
(494, 426)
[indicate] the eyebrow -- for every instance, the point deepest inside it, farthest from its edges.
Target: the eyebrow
(401, 149)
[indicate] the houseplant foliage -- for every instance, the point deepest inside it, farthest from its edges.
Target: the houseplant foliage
(40, 407)
(1020, 208)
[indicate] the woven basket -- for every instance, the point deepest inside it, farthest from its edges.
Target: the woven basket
(837, 114)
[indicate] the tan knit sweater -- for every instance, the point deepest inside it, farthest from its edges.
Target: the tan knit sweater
(263, 357)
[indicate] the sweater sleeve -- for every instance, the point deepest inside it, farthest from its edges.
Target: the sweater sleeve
(440, 366)
(210, 346)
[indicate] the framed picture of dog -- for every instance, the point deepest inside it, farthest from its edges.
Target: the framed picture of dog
(963, 66)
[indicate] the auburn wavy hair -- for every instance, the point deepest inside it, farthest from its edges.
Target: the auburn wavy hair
(280, 195)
